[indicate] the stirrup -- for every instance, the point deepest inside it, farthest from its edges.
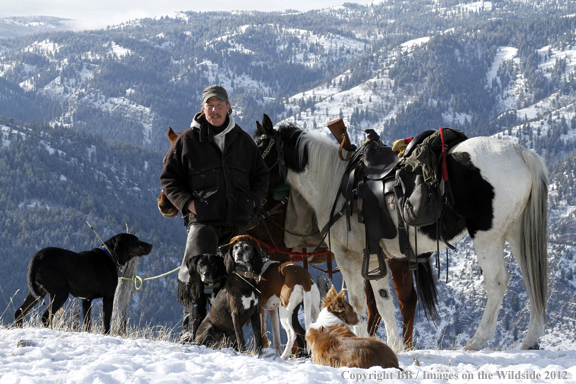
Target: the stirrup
(377, 273)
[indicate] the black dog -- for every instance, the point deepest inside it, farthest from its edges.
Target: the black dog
(238, 302)
(87, 275)
(211, 271)
(206, 274)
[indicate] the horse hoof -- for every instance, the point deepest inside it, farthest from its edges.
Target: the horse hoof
(471, 348)
(535, 347)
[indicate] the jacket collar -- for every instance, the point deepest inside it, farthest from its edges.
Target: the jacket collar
(199, 122)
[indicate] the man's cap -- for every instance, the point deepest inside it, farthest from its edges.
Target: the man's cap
(214, 91)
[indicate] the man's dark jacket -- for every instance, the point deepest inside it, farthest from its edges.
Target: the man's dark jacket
(224, 185)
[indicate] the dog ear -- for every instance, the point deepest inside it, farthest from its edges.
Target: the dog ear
(191, 264)
(329, 298)
(224, 250)
(229, 263)
(331, 295)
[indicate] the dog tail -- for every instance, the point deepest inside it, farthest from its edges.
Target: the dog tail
(35, 289)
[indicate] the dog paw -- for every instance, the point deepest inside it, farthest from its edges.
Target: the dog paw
(187, 338)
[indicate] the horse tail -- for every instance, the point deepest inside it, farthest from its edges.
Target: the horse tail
(426, 289)
(533, 258)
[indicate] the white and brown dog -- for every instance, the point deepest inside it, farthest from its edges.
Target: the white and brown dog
(334, 344)
(283, 287)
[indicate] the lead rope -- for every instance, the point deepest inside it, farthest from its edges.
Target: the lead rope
(105, 246)
(246, 281)
(139, 282)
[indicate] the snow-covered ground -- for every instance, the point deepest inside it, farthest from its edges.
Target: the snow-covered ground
(35, 355)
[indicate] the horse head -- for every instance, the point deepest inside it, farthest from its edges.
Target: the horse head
(268, 141)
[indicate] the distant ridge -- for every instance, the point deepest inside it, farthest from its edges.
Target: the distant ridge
(26, 25)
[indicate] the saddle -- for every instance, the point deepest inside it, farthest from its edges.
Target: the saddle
(377, 181)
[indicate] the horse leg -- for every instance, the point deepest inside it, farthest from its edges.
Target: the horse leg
(352, 275)
(490, 253)
(385, 304)
(373, 316)
(403, 280)
(537, 315)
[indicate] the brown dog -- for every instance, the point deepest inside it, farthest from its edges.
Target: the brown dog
(335, 345)
(283, 287)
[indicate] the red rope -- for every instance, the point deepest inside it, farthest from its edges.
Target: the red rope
(444, 163)
(294, 256)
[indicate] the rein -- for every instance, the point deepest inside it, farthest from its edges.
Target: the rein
(283, 172)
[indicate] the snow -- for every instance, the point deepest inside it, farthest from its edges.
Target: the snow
(118, 50)
(504, 53)
(411, 44)
(45, 47)
(40, 355)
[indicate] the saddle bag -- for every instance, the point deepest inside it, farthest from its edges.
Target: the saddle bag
(418, 204)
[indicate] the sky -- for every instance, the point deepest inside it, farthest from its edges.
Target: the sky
(92, 14)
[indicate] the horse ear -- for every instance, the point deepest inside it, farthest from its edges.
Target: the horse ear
(267, 123)
(259, 128)
(172, 136)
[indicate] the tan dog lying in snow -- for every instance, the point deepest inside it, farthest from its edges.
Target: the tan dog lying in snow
(333, 343)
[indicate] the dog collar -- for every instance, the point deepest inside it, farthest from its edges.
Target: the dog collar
(110, 255)
(209, 288)
(248, 275)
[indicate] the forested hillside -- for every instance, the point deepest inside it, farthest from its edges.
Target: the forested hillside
(53, 180)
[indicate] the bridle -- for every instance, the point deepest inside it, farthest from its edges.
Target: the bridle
(283, 170)
(274, 142)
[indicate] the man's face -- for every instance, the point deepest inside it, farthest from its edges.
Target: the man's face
(216, 111)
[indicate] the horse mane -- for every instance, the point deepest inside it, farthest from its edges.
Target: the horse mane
(320, 153)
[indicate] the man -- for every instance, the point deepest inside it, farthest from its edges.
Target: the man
(215, 175)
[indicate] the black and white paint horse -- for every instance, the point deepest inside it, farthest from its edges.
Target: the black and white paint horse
(500, 191)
